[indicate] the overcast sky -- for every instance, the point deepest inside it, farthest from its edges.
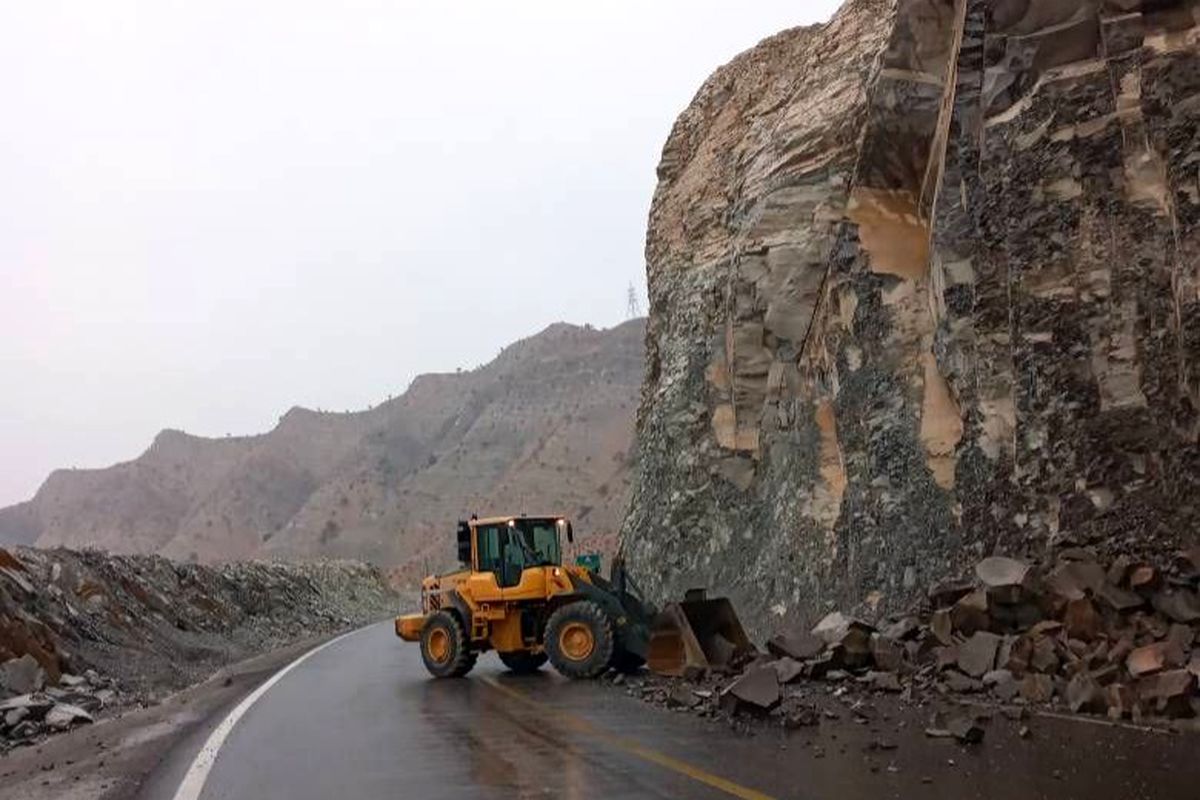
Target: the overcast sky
(213, 210)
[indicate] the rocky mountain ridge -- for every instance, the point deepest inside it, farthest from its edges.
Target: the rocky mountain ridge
(923, 288)
(546, 426)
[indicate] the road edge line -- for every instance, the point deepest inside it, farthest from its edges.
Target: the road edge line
(192, 785)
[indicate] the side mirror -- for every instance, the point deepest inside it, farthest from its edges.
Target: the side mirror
(570, 533)
(464, 542)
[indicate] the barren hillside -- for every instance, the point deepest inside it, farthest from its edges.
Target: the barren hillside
(545, 427)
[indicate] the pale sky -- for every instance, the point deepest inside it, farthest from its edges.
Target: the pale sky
(211, 211)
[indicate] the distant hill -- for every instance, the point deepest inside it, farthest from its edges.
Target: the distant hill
(546, 426)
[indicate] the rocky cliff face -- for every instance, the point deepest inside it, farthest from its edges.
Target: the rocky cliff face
(545, 427)
(924, 287)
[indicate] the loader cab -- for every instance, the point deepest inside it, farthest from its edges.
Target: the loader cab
(507, 546)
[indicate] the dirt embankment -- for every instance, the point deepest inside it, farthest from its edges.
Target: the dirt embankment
(83, 633)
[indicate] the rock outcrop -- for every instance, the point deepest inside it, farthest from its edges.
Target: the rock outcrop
(923, 288)
(546, 426)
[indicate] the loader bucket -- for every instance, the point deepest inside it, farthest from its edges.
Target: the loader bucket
(696, 634)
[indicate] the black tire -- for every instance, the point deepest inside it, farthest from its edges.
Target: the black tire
(572, 620)
(444, 647)
(523, 662)
(626, 662)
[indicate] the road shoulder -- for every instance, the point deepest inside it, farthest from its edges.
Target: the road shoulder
(141, 753)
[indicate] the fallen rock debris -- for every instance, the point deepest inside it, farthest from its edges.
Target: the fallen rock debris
(1118, 640)
(83, 633)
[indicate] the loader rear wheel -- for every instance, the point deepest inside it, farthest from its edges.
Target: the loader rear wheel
(444, 647)
(579, 639)
(523, 662)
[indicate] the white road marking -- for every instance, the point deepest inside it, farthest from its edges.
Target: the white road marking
(192, 784)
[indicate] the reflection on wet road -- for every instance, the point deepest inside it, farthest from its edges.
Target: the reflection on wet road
(361, 719)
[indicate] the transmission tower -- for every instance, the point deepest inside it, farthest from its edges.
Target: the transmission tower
(634, 308)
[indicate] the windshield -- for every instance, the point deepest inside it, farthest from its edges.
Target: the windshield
(539, 539)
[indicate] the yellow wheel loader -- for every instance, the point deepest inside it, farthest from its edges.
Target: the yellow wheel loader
(515, 596)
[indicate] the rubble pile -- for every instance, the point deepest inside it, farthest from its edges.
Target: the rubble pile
(82, 632)
(1120, 639)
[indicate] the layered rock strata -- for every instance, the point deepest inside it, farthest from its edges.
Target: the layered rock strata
(923, 287)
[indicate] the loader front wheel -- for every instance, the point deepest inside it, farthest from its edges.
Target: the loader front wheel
(579, 639)
(523, 662)
(444, 646)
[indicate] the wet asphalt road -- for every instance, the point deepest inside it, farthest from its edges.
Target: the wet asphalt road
(361, 719)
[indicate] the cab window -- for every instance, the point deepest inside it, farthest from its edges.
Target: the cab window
(545, 542)
(489, 548)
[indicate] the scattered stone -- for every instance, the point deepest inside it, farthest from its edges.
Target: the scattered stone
(1168, 693)
(64, 715)
(977, 655)
(942, 626)
(1120, 599)
(1143, 576)
(849, 639)
(1182, 636)
(1120, 700)
(970, 613)
(1037, 688)
(965, 729)
(1119, 569)
(1077, 554)
(1081, 620)
(15, 716)
(1002, 684)
(33, 702)
(902, 630)
(1148, 659)
(948, 593)
(1084, 694)
(682, 697)
(22, 675)
(1180, 605)
(788, 669)
(1166, 684)
(886, 653)
(758, 688)
(945, 657)
(832, 627)
(802, 717)
(1072, 635)
(963, 684)
(1045, 655)
(1003, 577)
(799, 646)
(884, 681)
